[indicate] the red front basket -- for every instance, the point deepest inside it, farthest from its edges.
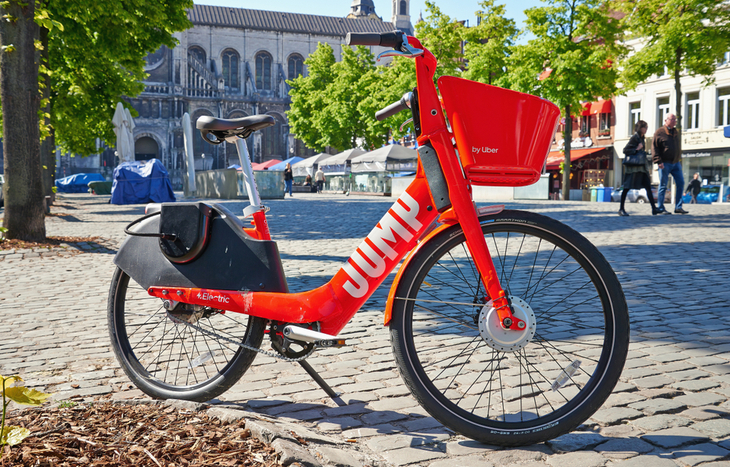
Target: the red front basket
(503, 136)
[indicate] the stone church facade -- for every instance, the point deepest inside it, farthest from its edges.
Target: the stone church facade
(234, 62)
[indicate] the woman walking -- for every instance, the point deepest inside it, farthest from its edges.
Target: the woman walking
(288, 179)
(637, 176)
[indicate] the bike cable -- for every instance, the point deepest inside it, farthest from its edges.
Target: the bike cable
(239, 344)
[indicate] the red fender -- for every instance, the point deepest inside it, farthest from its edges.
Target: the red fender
(447, 219)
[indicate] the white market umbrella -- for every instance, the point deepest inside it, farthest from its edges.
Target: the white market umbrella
(124, 130)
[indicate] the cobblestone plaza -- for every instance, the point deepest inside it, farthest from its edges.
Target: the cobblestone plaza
(671, 407)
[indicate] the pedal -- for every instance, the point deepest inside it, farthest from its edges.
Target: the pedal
(295, 333)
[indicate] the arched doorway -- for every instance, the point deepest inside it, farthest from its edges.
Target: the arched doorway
(146, 148)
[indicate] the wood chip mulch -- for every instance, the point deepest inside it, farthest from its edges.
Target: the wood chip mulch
(105, 434)
(50, 242)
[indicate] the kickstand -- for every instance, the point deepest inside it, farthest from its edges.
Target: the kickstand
(322, 383)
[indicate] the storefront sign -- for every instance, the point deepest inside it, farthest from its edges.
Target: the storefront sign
(705, 153)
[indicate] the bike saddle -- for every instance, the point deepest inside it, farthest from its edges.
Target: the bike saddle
(216, 130)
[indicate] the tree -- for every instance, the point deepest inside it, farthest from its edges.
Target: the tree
(442, 36)
(92, 56)
(487, 45)
(308, 97)
(99, 57)
(324, 109)
(678, 36)
(575, 46)
(389, 85)
(23, 188)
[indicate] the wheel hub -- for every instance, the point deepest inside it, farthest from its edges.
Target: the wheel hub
(507, 340)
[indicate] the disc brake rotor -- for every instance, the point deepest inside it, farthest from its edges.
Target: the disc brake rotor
(507, 340)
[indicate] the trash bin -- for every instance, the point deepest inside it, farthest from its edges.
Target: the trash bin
(607, 193)
(593, 194)
(599, 194)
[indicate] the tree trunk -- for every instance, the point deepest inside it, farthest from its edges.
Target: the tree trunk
(24, 207)
(568, 138)
(48, 146)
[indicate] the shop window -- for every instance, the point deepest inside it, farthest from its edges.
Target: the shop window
(723, 110)
(585, 124)
(693, 111)
(634, 115)
(604, 124)
(263, 71)
(296, 66)
(662, 110)
(230, 68)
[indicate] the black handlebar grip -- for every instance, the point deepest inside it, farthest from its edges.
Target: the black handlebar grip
(386, 39)
(363, 38)
(391, 110)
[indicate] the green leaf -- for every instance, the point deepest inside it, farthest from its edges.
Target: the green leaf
(13, 435)
(26, 396)
(8, 48)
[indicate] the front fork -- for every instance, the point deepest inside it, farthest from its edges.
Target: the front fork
(467, 216)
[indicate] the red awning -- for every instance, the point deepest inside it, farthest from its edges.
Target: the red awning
(586, 108)
(556, 157)
(265, 165)
(601, 107)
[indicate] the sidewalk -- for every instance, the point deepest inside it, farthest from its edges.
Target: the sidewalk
(671, 408)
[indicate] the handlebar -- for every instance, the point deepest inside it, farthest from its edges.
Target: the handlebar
(403, 104)
(392, 39)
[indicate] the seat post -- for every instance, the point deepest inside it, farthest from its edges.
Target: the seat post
(251, 188)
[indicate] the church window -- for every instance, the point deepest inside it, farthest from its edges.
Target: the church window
(197, 53)
(230, 68)
(296, 66)
(402, 9)
(263, 71)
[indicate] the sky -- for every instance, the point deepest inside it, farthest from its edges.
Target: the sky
(459, 9)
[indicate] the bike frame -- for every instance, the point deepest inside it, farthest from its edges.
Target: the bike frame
(409, 220)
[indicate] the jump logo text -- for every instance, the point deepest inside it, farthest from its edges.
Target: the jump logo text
(372, 260)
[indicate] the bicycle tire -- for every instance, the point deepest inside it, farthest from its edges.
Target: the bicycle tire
(445, 358)
(166, 359)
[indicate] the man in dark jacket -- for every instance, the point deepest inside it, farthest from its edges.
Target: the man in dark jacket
(694, 188)
(666, 153)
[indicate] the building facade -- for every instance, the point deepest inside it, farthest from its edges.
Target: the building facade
(705, 110)
(233, 63)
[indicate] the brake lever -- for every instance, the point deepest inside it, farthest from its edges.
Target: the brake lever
(403, 125)
(406, 51)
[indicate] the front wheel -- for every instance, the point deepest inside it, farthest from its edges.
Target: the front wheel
(189, 354)
(501, 386)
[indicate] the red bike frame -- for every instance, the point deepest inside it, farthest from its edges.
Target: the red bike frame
(398, 232)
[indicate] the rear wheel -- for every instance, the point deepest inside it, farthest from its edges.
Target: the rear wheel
(501, 386)
(165, 356)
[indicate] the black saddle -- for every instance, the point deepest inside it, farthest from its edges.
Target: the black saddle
(216, 130)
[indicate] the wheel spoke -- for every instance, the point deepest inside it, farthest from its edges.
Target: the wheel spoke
(495, 378)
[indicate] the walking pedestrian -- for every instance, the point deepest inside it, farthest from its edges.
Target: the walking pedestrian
(319, 179)
(288, 179)
(637, 176)
(666, 153)
(694, 188)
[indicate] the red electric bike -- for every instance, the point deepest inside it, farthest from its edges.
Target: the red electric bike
(507, 326)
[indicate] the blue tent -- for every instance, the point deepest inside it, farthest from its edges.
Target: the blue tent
(282, 165)
(141, 182)
(77, 183)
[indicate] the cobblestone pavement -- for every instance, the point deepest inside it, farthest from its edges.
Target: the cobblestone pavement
(671, 407)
